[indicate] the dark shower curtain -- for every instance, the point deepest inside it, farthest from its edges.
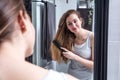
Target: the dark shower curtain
(47, 29)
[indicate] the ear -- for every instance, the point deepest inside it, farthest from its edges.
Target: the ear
(22, 22)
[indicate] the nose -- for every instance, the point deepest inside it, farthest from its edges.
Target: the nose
(73, 24)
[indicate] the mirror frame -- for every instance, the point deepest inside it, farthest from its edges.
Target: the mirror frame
(101, 39)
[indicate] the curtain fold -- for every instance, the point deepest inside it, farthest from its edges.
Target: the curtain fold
(48, 29)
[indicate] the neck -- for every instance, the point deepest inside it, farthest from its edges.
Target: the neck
(80, 34)
(11, 50)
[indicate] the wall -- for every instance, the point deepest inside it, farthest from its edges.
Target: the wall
(114, 41)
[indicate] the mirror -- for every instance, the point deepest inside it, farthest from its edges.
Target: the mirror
(86, 8)
(41, 56)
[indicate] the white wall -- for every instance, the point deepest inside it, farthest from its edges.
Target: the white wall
(114, 41)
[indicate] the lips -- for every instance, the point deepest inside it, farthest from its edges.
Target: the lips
(73, 29)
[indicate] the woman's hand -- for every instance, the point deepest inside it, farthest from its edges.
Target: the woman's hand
(68, 54)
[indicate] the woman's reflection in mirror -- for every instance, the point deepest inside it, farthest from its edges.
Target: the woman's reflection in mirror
(78, 44)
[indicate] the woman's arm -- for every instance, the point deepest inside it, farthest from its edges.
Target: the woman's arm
(85, 62)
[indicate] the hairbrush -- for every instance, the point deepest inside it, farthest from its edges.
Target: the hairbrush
(57, 44)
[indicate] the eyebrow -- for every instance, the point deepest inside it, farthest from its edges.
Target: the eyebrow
(71, 21)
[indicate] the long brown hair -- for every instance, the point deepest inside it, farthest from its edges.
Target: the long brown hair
(9, 10)
(64, 37)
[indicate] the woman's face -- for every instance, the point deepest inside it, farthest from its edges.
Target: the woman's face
(73, 23)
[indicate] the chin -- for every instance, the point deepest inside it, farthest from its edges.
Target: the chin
(29, 53)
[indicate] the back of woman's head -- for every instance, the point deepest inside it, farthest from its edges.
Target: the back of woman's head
(9, 10)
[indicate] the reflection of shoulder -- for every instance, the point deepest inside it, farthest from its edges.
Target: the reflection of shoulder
(92, 38)
(91, 34)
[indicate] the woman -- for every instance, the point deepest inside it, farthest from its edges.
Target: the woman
(78, 44)
(17, 42)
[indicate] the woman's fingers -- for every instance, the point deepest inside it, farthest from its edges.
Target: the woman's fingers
(64, 49)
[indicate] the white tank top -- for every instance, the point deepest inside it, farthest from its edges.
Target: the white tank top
(75, 68)
(84, 50)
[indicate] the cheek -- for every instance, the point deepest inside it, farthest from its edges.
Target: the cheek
(69, 27)
(32, 35)
(72, 28)
(31, 41)
(80, 23)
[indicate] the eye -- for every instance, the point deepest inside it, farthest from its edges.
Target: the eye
(69, 24)
(75, 21)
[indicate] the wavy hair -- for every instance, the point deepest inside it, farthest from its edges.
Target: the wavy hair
(64, 37)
